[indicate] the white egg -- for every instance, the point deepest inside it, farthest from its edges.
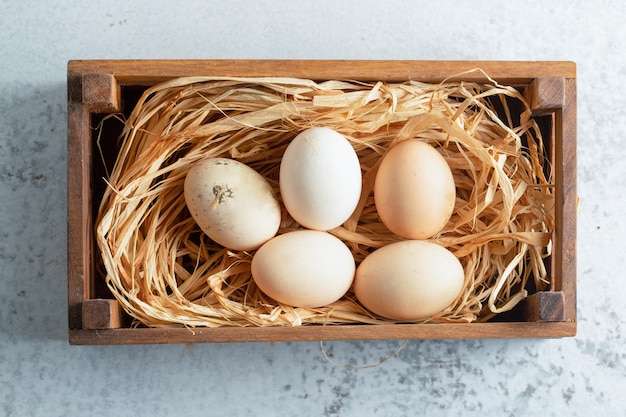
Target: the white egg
(409, 280)
(305, 268)
(232, 203)
(320, 178)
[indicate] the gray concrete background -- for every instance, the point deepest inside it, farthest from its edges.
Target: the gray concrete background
(41, 375)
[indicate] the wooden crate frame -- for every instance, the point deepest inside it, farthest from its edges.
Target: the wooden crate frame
(96, 87)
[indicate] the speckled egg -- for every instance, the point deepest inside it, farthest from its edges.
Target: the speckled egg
(232, 203)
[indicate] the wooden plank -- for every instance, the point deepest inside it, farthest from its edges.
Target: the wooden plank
(324, 333)
(101, 92)
(87, 94)
(79, 224)
(148, 72)
(546, 95)
(102, 314)
(567, 201)
(557, 95)
(544, 306)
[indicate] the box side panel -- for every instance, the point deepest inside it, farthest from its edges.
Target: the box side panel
(79, 239)
(324, 333)
(146, 72)
(567, 200)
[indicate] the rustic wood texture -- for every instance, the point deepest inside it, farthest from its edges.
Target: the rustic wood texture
(101, 92)
(97, 87)
(147, 72)
(102, 314)
(546, 95)
(79, 220)
(521, 330)
(564, 247)
(544, 306)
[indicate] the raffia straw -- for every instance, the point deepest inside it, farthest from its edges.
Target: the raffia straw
(165, 272)
(368, 366)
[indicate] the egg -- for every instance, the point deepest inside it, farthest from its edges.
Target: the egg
(320, 178)
(232, 203)
(304, 268)
(414, 190)
(409, 280)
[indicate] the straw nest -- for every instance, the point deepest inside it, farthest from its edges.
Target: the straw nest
(165, 272)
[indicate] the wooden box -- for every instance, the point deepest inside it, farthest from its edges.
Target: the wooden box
(97, 88)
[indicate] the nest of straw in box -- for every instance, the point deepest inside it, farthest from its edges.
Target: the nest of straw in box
(165, 272)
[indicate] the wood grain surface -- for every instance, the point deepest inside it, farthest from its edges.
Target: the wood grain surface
(96, 86)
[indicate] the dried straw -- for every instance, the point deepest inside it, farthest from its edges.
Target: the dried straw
(165, 272)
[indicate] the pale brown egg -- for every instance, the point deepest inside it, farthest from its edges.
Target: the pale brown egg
(409, 280)
(304, 268)
(414, 190)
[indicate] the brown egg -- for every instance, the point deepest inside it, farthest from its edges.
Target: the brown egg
(304, 268)
(414, 190)
(409, 280)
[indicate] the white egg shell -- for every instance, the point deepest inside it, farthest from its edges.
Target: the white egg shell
(409, 280)
(232, 203)
(305, 268)
(320, 178)
(414, 190)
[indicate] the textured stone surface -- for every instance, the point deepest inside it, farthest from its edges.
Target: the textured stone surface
(41, 375)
